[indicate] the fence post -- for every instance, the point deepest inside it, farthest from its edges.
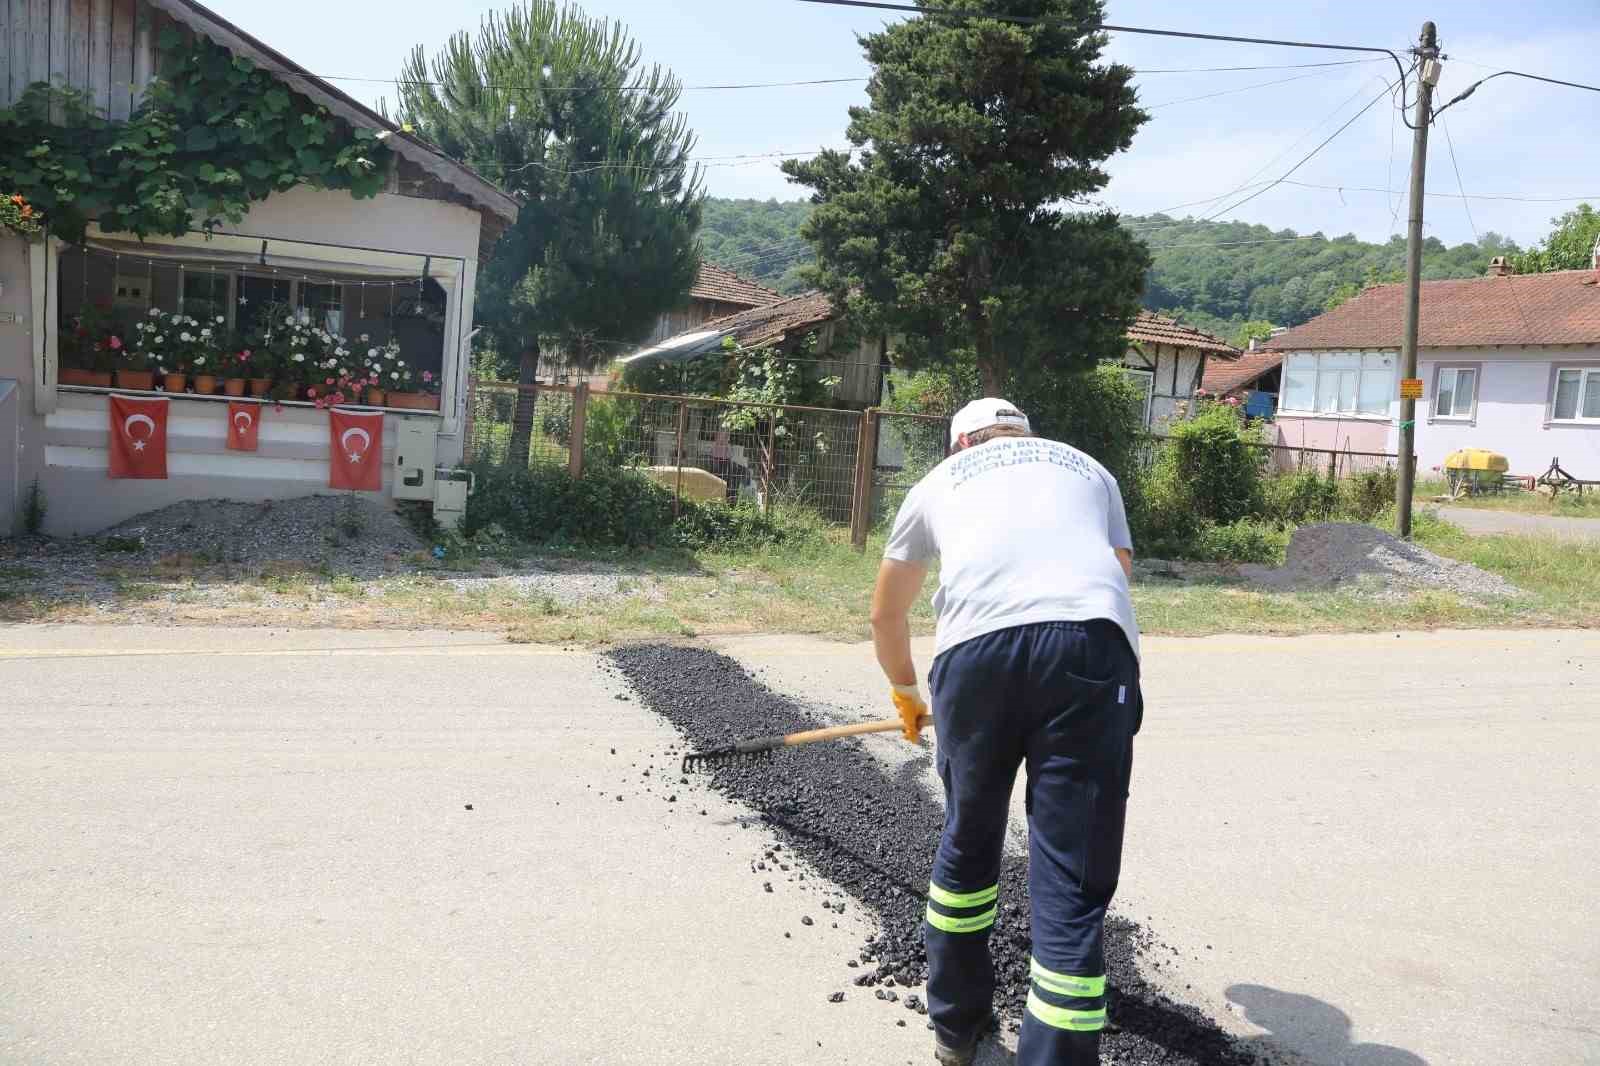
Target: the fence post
(677, 492)
(866, 463)
(1333, 465)
(580, 413)
(769, 464)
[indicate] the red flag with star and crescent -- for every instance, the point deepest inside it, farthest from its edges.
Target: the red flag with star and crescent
(355, 459)
(138, 445)
(244, 425)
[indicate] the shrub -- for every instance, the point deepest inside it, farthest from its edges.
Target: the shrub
(1096, 409)
(1365, 496)
(1210, 464)
(1293, 499)
(34, 508)
(1245, 541)
(614, 508)
(611, 433)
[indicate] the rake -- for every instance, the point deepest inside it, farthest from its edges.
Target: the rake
(761, 748)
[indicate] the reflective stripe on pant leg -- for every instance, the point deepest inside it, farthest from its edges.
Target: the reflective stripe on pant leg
(1067, 1001)
(962, 912)
(1077, 1021)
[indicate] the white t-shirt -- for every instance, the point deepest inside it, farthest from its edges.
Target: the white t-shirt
(1025, 530)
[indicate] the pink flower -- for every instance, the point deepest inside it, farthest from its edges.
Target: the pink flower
(328, 382)
(116, 343)
(427, 375)
(244, 356)
(312, 392)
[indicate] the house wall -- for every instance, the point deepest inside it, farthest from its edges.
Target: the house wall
(685, 319)
(1350, 433)
(100, 46)
(1514, 394)
(20, 447)
(1177, 374)
(292, 460)
(10, 504)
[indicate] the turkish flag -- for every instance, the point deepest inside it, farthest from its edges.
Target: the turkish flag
(138, 446)
(355, 457)
(244, 425)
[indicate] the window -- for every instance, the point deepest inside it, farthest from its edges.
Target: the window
(1338, 383)
(325, 304)
(1577, 395)
(1455, 391)
(1145, 382)
(205, 295)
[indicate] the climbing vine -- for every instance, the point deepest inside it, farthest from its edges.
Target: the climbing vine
(213, 134)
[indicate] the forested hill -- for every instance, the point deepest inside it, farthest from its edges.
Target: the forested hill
(1213, 275)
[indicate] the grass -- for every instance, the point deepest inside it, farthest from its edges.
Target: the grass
(1569, 504)
(819, 587)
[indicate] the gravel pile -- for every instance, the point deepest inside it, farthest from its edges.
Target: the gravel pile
(872, 832)
(1350, 555)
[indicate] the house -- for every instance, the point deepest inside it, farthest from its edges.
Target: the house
(1510, 363)
(1169, 360)
(1252, 379)
(399, 265)
(717, 293)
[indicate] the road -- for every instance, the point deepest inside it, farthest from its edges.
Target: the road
(252, 846)
(1483, 520)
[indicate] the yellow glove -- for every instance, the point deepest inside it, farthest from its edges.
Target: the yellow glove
(908, 701)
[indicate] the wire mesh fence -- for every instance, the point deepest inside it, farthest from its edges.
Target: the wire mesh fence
(907, 447)
(1289, 459)
(498, 414)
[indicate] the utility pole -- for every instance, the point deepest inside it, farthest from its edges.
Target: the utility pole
(1428, 70)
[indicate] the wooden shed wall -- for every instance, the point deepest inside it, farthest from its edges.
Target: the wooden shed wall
(103, 47)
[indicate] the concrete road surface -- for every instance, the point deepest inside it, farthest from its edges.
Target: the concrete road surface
(252, 847)
(242, 847)
(1479, 520)
(1374, 850)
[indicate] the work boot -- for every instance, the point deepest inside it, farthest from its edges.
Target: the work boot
(946, 1055)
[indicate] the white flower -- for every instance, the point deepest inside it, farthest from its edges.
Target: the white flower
(176, 320)
(161, 338)
(388, 353)
(340, 351)
(364, 339)
(395, 374)
(289, 321)
(192, 322)
(372, 353)
(205, 333)
(186, 336)
(155, 312)
(221, 319)
(299, 357)
(199, 360)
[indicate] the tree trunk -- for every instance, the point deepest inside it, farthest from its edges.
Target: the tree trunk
(991, 364)
(527, 396)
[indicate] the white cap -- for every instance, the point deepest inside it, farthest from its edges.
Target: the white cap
(981, 414)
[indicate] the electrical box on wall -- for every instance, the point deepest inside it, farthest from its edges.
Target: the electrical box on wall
(451, 490)
(415, 447)
(132, 292)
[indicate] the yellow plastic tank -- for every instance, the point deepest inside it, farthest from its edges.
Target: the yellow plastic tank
(1481, 459)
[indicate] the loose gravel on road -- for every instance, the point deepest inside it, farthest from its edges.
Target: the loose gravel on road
(872, 831)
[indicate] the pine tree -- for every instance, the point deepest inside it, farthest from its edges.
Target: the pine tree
(947, 227)
(560, 110)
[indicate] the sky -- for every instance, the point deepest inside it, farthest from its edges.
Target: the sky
(1513, 138)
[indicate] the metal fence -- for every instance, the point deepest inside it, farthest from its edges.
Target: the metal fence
(1291, 459)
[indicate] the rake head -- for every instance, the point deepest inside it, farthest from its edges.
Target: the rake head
(749, 751)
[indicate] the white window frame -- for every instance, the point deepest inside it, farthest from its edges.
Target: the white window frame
(1585, 372)
(1470, 416)
(1149, 377)
(1360, 369)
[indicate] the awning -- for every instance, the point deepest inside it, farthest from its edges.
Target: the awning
(679, 349)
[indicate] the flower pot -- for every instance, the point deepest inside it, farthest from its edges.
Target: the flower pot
(416, 401)
(233, 386)
(375, 397)
(205, 384)
(100, 379)
(260, 386)
(137, 380)
(175, 382)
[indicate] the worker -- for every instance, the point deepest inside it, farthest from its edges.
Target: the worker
(1035, 661)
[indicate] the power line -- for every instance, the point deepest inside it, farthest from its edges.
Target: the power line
(1516, 301)
(1469, 90)
(1106, 27)
(1308, 156)
(415, 82)
(1237, 89)
(1225, 70)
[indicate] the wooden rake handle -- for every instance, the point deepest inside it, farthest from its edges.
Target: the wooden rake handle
(835, 732)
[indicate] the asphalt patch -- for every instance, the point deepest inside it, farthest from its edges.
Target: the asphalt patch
(873, 833)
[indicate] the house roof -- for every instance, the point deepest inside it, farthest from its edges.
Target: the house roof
(1515, 309)
(724, 286)
(477, 190)
(1224, 377)
(752, 329)
(1151, 328)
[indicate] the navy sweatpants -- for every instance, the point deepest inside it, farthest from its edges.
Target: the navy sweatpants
(1063, 698)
